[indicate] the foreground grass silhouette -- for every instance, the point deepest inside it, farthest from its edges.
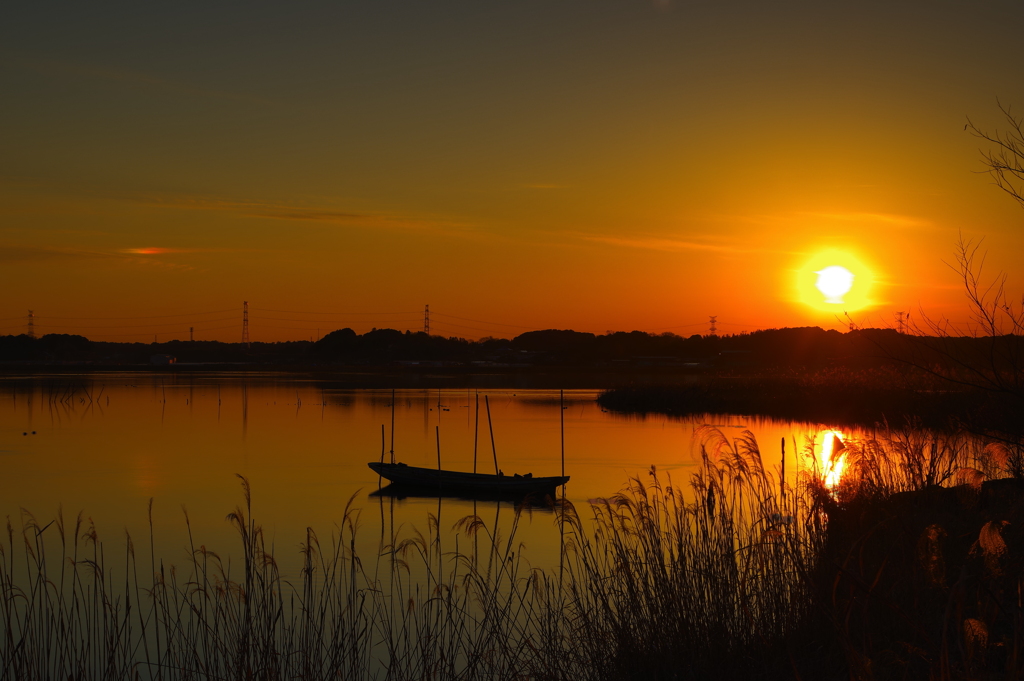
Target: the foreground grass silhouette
(745, 577)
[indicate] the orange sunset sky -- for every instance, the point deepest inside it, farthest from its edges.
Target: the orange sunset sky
(595, 165)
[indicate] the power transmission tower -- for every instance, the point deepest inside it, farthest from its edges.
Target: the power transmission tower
(31, 324)
(426, 319)
(191, 338)
(713, 331)
(245, 322)
(901, 322)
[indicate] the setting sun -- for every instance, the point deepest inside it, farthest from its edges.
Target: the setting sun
(834, 281)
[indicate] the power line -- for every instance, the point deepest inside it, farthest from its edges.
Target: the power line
(677, 326)
(263, 309)
(155, 316)
(463, 326)
(140, 333)
(292, 328)
(332, 321)
(125, 326)
(332, 327)
(536, 328)
(481, 321)
(406, 323)
(323, 319)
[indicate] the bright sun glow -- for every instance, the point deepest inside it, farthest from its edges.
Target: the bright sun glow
(835, 282)
(833, 458)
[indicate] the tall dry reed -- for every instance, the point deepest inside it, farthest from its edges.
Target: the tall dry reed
(677, 589)
(738, 574)
(417, 612)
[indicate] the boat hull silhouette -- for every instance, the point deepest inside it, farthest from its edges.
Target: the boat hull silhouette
(451, 481)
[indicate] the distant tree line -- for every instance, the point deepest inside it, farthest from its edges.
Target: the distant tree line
(789, 347)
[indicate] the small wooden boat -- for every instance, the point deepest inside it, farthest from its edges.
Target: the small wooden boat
(423, 478)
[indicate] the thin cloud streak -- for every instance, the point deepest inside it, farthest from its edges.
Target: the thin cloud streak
(20, 254)
(438, 225)
(671, 245)
(158, 250)
(891, 219)
(884, 218)
(294, 213)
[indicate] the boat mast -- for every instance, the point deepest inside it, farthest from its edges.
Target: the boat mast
(490, 427)
(383, 446)
(437, 435)
(561, 424)
(392, 425)
(476, 429)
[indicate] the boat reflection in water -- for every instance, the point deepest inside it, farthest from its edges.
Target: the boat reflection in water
(533, 500)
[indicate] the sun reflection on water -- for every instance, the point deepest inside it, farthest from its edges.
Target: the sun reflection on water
(833, 458)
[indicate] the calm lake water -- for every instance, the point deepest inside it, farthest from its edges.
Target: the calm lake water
(104, 445)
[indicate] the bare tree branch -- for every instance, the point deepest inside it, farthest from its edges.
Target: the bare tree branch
(1006, 160)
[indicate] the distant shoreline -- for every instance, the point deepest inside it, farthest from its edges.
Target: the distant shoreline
(380, 377)
(843, 397)
(816, 399)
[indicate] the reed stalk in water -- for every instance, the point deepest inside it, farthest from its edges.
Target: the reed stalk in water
(737, 575)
